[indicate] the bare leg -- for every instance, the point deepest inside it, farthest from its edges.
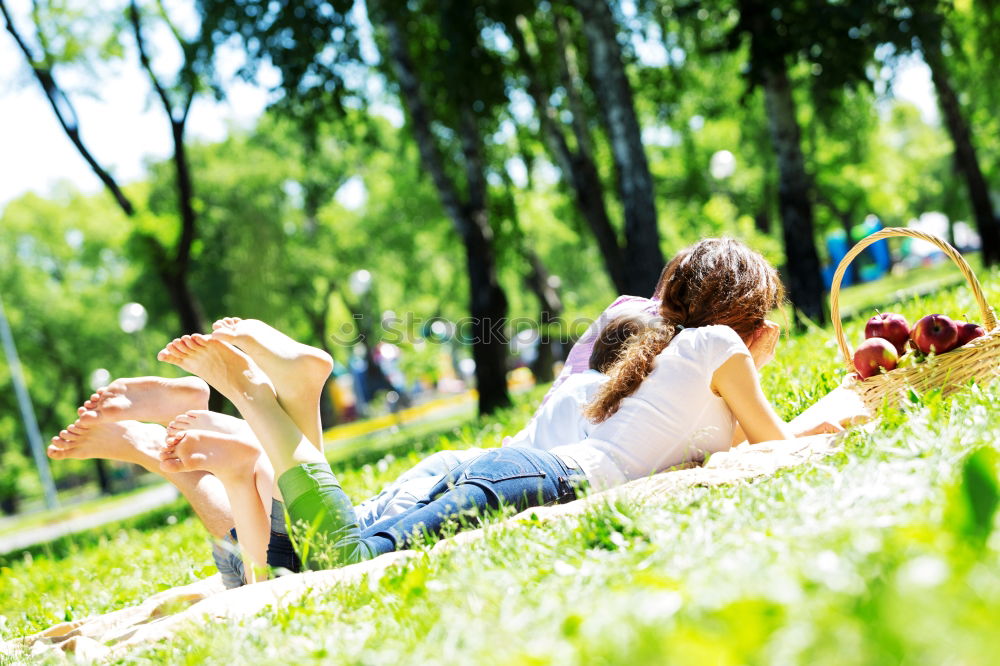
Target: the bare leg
(150, 399)
(331, 535)
(296, 371)
(246, 473)
(141, 444)
(239, 379)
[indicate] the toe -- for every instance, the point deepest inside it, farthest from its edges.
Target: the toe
(55, 452)
(88, 416)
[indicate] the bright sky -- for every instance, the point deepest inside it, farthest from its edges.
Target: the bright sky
(124, 126)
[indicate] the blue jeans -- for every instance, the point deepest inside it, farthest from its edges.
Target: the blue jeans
(512, 476)
(412, 486)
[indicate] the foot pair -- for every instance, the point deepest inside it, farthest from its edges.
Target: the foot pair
(109, 422)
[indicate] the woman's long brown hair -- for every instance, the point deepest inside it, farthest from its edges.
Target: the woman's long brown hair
(716, 281)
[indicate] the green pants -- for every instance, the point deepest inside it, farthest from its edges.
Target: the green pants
(325, 530)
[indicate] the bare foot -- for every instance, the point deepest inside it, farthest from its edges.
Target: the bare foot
(200, 419)
(298, 371)
(226, 456)
(224, 367)
(152, 399)
(245, 472)
(127, 441)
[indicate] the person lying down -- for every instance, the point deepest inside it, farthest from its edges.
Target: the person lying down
(221, 451)
(684, 389)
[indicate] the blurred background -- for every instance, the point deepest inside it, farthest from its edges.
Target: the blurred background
(443, 194)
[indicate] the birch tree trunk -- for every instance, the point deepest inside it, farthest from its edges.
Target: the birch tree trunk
(643, 258)
(966, 159)
(487, 300)
(578, 167)
(805, 283)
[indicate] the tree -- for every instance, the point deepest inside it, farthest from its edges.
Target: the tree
(64, 273)
(42, 65)
(469, 214)
(769, 54)
(447, 128)
(172, 263)
(578, 163)
(933, 43)
(644, 259)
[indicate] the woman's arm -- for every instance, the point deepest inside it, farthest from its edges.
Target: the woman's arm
(743, 385)
(736, 381)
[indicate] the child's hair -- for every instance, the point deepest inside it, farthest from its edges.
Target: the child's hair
(611, 341)
(715, 281)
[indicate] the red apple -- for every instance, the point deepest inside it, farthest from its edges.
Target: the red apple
(935, 333)
(872, 354)
(969, 331)
(891, 327)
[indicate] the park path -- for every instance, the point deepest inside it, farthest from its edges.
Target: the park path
(141, 502)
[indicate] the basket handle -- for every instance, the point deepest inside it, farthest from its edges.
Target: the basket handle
(989, 318)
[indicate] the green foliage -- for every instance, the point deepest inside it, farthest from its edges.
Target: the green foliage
(974, 498)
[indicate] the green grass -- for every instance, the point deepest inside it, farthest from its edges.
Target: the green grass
(883, 553)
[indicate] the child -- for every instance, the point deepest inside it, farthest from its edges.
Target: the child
(677, 393)
(559, 421)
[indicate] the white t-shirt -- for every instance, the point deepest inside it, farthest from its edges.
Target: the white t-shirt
(560, 420)
(673, 417)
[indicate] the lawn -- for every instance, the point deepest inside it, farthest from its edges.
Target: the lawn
(882, 553)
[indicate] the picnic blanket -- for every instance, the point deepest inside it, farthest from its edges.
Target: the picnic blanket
(159, 617)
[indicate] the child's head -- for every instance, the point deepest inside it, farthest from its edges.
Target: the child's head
(612, 339)
(715, 281)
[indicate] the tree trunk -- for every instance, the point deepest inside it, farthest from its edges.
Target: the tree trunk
(643, 258)
(185, 303)
(578, 167)
(488, 307)
(805, 280)
(487, 301)
(537, 281)
(966, 159)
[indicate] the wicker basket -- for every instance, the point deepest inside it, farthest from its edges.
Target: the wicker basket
(978, 360)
